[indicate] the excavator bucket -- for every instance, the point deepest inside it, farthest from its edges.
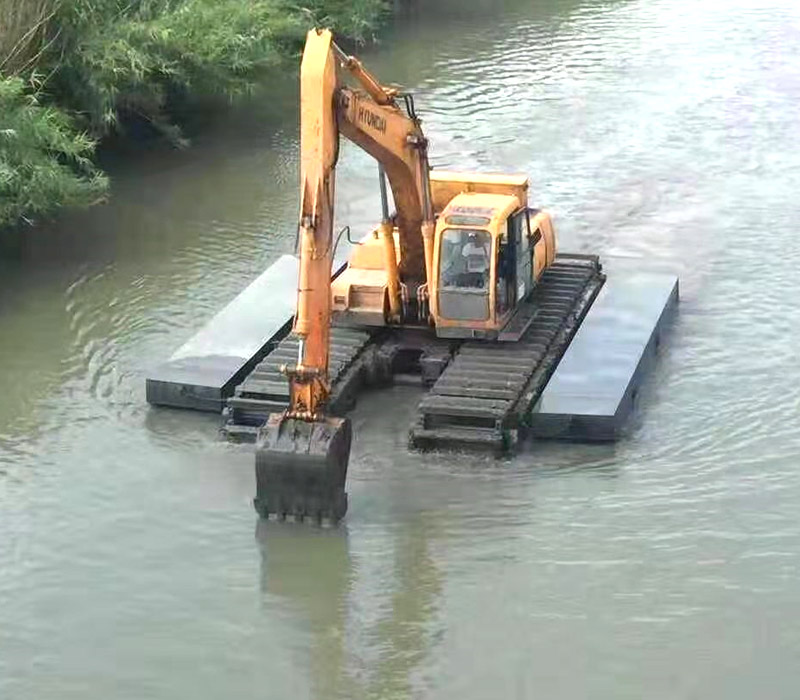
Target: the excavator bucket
(301, 468)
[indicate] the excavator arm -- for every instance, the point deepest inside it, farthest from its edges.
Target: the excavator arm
(319, 146)
(393, 136)
(302, 454)
(370, 118)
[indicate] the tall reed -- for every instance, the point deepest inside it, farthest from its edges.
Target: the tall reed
(23, 32)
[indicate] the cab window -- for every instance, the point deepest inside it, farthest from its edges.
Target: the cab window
(465, 256)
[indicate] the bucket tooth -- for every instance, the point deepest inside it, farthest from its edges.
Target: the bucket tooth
(301, 468)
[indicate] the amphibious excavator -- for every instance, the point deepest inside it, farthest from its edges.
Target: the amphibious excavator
(462, 278)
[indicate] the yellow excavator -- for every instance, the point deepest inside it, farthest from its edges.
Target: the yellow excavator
(459, 260)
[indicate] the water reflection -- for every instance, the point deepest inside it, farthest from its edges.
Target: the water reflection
(404, 633)
(317, 573)
(311, 570)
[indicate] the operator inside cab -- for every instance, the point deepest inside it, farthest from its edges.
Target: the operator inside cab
(466, 255)
(476, 254)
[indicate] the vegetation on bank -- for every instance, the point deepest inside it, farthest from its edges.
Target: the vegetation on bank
(75, 71)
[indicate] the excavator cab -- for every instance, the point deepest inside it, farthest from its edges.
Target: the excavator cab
(489, 251)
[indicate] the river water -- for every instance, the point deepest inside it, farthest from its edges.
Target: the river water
(132, 565)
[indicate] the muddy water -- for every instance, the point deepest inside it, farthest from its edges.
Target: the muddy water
(131, 564)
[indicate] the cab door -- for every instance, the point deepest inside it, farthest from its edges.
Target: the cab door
(505, 294)
(518, 228)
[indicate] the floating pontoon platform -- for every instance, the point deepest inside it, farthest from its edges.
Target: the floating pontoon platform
(593, 391)
(585, 348)
(204, 372)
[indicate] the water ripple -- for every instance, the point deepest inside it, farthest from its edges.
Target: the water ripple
(664, 132)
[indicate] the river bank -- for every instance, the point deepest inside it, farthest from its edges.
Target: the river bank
(76, 72)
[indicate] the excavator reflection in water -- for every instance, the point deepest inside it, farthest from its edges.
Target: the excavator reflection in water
(402, 634)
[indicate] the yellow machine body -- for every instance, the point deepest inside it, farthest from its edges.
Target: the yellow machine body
(487, 212)
(475, 295)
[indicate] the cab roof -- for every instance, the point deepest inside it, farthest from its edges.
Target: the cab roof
(446, 185)
(508, 179)
(493, 207)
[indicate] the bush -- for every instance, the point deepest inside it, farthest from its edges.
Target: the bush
(44, 162)
(134, 58)
(133, 61)
(94, 64)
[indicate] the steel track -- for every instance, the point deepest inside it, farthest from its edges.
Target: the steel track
(489, 387)
(266, 390)
(482, 396)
